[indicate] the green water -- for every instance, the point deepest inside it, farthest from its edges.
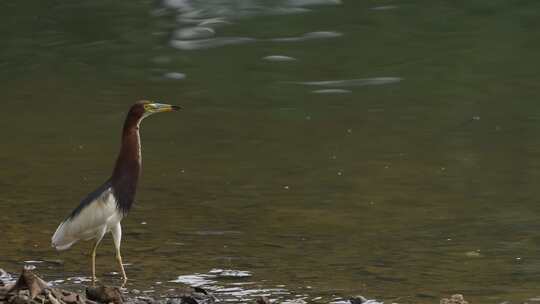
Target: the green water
(404, 191)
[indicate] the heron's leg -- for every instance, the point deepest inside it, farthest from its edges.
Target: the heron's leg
(93, 254)
(117, 238)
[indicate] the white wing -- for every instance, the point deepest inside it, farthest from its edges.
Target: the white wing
(91, 220)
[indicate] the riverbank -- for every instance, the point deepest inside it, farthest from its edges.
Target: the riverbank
(29, 288)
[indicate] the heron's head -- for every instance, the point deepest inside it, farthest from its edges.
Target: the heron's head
(145, 108)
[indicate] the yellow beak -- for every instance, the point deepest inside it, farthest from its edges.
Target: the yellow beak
(161, 107)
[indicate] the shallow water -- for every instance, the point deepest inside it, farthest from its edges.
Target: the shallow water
(397, 155)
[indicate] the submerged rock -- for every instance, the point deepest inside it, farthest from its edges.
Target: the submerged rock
(105, 294)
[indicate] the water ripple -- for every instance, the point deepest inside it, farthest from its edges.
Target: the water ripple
(175, 76)
(384, 7)
(189, 45)
(195, 32)
(195, 280)
(230, 273)
(279, 58)
(313, 2)
(219, 282)
(309, 36)
(352, 82)
(234, 9)
(6, 277)
(332, 91)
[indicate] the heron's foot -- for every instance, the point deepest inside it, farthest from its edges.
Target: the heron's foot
(124, 282)
(94, 280)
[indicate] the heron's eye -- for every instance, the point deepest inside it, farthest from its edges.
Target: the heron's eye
(148, 107)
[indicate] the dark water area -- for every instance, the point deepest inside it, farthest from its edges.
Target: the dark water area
(326, 148)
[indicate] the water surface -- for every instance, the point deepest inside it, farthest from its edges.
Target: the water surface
(397, 156)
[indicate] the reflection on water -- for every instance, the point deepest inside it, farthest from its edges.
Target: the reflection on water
(196, 32)
(231, 286)
(175, 75)
(338, 86)
(309, 36)
(209, 15)
(384, 7)
(332, 91)
(325, 147)
(278, 58)
(209, 43)
(353, 82)
(190, 11)
(188, 45)
(6, 277)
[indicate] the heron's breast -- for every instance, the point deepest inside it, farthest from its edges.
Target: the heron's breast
(115, 215)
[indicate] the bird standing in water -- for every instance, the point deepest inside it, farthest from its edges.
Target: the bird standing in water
(103, 209)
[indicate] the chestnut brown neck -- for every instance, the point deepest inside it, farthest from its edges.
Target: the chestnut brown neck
(128, 165)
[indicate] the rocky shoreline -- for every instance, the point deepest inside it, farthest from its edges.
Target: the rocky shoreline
(29, 288)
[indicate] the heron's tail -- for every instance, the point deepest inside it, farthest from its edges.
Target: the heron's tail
(60, 240)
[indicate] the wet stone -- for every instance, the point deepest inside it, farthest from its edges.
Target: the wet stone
(105, 294)
(19, 299)
(188, 300)
(174, 301)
